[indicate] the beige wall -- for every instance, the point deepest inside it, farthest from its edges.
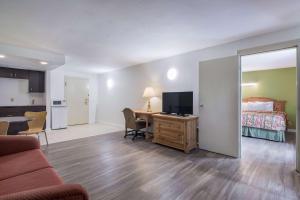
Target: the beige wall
(130, 82)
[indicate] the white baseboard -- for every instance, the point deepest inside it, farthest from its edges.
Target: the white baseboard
(121, 126)
(292, 130)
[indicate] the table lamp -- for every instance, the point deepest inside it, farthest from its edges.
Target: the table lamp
(149, 93)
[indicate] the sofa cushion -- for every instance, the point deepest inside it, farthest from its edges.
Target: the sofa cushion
(37, 179)
(21, 163)
(10, 144)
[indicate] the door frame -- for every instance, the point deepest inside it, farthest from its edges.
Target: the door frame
(261, 49)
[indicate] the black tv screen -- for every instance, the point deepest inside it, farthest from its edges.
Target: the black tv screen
(179, 103)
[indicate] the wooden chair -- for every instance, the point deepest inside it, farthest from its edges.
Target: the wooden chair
(36, 124)
(131, 122)
(3, 128)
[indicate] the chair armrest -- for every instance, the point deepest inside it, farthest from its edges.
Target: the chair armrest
(61, 192)
(14, 144)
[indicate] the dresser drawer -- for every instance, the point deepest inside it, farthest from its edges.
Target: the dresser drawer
(175, 138)
(170, 143)
(169, 125)
(166, 131)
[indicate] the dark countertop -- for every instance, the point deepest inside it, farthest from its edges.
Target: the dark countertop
(22, 106)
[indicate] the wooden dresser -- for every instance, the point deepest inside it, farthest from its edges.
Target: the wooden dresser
(175, 131)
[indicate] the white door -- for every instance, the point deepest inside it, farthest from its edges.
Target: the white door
(298, 112)
(77, 97)
(219, 106)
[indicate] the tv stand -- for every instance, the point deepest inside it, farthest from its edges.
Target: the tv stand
(163, 113)
(176, 131)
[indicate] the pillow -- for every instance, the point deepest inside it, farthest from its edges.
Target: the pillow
(260, 106)
(244, 106)
(269, 106)
(252, 106)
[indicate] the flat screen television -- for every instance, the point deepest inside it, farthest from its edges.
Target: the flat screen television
(180, 103)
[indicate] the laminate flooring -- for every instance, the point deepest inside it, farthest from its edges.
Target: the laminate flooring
(111, 167)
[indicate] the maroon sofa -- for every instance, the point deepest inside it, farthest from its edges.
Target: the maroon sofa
(25, 173)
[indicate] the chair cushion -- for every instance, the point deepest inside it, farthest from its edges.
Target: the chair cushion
(140, 124)
(21, 163)
(37, 179)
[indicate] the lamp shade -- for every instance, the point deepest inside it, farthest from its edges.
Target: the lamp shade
(149, 92)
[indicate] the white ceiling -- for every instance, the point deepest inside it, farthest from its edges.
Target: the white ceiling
(102, 35)
(26, 58)
(24, 63)
(270, 60)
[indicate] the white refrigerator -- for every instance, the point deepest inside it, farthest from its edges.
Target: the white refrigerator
(59, 115)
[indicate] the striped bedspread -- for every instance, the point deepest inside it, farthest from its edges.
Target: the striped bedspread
(275, 121)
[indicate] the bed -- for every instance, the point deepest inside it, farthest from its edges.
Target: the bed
(264, 118)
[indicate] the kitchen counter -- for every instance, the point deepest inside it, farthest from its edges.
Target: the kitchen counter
(22, 106)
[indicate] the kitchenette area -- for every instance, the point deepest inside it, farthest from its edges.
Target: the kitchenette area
(21, 91)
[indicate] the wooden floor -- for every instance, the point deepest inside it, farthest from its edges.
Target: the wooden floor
(111, 167)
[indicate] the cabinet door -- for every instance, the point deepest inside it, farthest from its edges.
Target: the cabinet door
(36, 81)
(13, 73)
(6, 72)
(21, 73)
(41, 82)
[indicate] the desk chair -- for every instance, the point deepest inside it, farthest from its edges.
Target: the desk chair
(36, 124)
(131, 122)
(4, 128)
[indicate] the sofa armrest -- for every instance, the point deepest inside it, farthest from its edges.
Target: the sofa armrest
(61, 192)
(14, 144)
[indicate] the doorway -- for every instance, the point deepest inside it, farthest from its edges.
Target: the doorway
(77, 98)
(269, 106)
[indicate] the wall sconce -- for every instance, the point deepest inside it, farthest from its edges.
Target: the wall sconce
(172, 74)
(249, 84)
(109, 83)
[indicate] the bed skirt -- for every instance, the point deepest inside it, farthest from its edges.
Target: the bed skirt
(278, 136)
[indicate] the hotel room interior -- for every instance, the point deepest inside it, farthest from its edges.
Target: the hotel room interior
(136, 99)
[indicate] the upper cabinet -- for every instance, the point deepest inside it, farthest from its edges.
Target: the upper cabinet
(6, 72)
(21, 74)
(36, 78)
(13, 73)
(36, 81)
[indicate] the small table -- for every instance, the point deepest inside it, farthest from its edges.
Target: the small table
(16, 124)
(147, 116)
(14, 119)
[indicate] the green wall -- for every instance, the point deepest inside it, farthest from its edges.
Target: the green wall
(279, 84)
